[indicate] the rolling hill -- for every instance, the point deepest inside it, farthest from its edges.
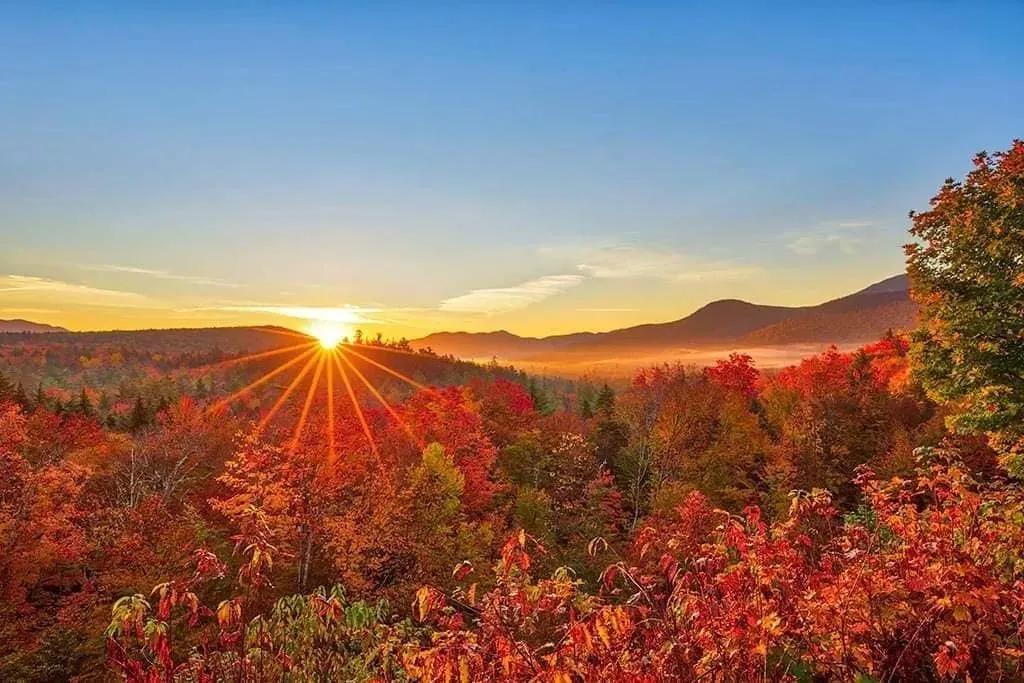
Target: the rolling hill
(117, 361)
(19, 326)
(729, 323)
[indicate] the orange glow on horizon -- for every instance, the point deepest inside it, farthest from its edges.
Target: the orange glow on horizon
(329, 333)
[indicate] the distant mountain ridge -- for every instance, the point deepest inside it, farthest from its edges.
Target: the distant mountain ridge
(862, 316)
(20, 326)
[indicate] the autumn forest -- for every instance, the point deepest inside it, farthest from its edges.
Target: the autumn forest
(254, 504)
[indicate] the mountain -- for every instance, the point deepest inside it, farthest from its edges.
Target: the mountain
(729, 323)
(27, 326)
(716, 323)
(472, 344)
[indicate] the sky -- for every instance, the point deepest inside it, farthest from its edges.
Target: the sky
(541, 168)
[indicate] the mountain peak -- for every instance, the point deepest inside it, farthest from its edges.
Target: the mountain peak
(725, 304)
(896, 283)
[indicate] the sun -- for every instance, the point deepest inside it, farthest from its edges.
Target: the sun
(328, 333)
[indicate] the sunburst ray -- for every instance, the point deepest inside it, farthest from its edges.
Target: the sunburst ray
(383, 401)
(321, 358)
(284, 396)
(331, 451)
(356, 406)
(262, 380)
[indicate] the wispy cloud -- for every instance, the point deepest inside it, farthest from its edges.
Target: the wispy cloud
(32, 286)
(162, 275)
(503, 299)
(634, 262)
(809, 245)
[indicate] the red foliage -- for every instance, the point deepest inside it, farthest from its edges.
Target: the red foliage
(42, 510)
(505, 407)
(51, 437)
(820, 374)
(905, 592)
(833, 370)
(736, 374)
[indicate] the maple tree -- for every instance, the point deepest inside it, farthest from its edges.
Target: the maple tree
(737, 373)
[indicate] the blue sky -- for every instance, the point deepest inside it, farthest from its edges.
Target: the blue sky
(445, 165)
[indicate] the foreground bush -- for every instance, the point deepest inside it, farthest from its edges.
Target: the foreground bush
(924, 582)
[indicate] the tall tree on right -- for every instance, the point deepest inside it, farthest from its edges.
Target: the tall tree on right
(967, 275)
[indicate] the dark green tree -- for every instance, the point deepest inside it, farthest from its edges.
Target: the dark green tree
(541, 403)
(140, 415)
(605, 402)
(84, 404)
(586, 408)
(20, 397)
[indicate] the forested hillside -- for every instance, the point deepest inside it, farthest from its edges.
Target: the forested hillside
(114, 375)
